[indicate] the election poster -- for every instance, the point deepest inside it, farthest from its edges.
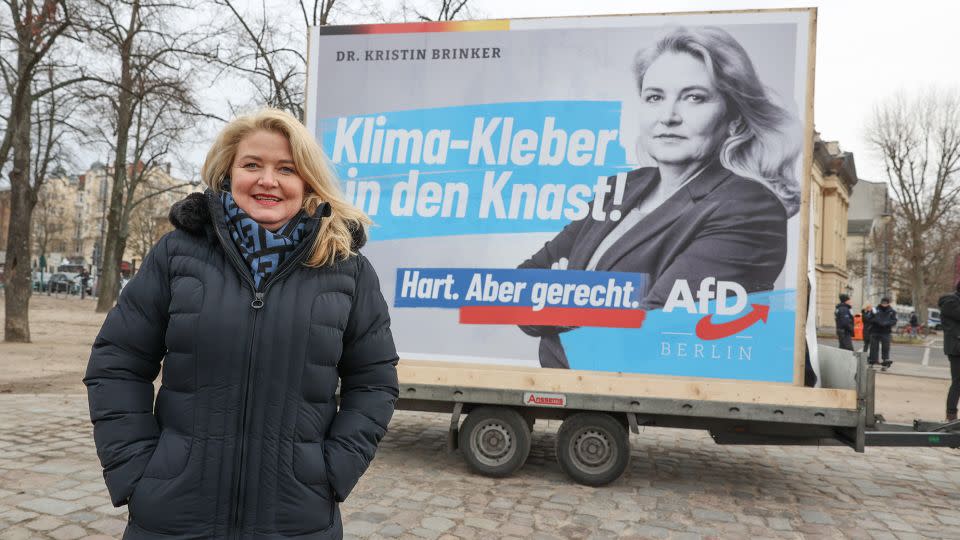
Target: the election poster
(617, 193)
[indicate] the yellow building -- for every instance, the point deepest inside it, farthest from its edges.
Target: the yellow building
(55, 223)
(833, 177)
(70, 219)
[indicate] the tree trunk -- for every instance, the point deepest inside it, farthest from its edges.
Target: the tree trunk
(918, 283)
(19, 281)
(110, 259)
(22, 200)
(114, 245)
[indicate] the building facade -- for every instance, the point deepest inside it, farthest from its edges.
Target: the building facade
(868, 254)
(834, 175)
(70, 218)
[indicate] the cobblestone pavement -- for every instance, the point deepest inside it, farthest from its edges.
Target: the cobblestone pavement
(680, 485)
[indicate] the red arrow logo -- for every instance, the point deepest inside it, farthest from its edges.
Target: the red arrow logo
(706, 330)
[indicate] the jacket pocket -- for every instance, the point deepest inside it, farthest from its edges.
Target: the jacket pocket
(174, 504)
(309, 464)
(305, 505)
(170, 456)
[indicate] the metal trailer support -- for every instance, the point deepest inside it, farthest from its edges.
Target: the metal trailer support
(865, 380)
(864, 401)
(663, 412)
(939, 439)
(932, 434)
(453, 435)
(871, 395)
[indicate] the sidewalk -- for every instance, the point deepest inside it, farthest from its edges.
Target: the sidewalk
(914, 370)
(680, 485)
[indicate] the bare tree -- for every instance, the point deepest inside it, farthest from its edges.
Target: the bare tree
(943, 247)
(148, 220)
(317, 12)
(143, 108)
(29, 33)
(143, 229)
(918, 139)
(437, 10)
(50, 219)
(900, 278)
(52, 122)
(270, 52)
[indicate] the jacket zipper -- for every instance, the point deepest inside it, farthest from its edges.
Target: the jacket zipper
(257, 304)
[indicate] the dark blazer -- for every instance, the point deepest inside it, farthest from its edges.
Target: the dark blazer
(719, 225)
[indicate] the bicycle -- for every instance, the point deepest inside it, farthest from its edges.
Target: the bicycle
(919, 332)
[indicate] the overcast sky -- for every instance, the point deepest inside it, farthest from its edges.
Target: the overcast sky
(866, 51)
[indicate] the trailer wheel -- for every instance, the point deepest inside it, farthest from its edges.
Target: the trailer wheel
(495, 441)
(593, 448)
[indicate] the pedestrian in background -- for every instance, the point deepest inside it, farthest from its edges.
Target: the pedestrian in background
(843, 318)
(914, 324)
(84, 283)
(866, 318)
(884, 320)
(950, 319)
(259, 306)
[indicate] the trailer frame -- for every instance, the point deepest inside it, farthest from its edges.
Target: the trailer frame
(727, 422)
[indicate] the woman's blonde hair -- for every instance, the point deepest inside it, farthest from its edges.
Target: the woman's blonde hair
(335, 239)
(767, 142)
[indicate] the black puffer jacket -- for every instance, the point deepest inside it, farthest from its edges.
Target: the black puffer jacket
(883, 321)
(950, 319)
(246, 439)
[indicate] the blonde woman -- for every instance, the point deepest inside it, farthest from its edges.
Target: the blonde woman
(724, 184)
(255, 307)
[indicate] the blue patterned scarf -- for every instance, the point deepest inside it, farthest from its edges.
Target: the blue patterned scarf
(262, 249)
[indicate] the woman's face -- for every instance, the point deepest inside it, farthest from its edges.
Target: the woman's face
(683, 115)
(264, 181)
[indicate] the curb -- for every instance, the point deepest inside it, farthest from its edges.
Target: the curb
(920, 373)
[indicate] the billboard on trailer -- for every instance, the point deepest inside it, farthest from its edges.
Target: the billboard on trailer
(622, 193)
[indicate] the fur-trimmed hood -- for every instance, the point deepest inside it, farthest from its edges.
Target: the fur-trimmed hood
(192, 215)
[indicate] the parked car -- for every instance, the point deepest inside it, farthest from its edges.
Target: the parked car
(933, 319)
(62, 282)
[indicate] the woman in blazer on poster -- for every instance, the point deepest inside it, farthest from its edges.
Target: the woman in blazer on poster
(725, 182)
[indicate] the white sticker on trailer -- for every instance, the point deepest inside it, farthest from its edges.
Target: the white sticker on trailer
(544, 400)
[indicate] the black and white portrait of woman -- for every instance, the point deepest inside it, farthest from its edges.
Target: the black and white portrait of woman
(724, 181)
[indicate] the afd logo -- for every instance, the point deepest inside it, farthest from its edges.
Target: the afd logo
(731, 299)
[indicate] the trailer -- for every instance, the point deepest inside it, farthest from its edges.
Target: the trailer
(530, 266)
(493, 411)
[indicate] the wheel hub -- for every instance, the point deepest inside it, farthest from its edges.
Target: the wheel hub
(493, 444)
(593, 450)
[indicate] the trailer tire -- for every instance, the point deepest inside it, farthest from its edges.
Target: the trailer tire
(593, 448)
(495, 441)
